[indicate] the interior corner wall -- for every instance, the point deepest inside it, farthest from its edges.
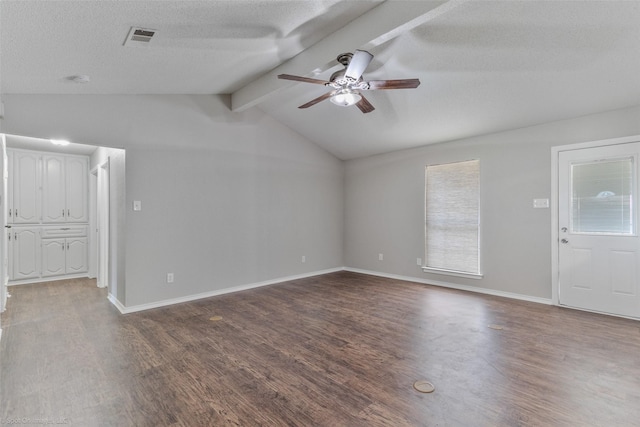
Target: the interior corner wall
(228, 199)
(384, 202)
(117, 213)
(2, 285)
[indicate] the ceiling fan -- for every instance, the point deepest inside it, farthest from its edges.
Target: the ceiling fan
(348, 83)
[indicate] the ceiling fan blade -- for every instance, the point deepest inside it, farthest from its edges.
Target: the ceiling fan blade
(364, 105)
(318, 99)
(302, 79)
(357, 64)
(394, 84)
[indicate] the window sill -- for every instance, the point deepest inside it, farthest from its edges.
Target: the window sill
(452, 273)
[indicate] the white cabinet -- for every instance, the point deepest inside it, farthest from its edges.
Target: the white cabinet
(76, 261)
(54, 202)
(24, 187)
(24, 253)
(64, 189)
(45, 189)
(64, 256)
(10, 254)
(76, 189)
(53, 257)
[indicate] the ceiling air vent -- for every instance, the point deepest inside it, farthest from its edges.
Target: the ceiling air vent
(139, 36)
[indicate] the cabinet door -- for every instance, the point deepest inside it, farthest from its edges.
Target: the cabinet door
(10, 180)
(10, 254)
(76, 255)
(77, 176)
(53, 257)
(53, 189)
(26, 253)
(26, 188)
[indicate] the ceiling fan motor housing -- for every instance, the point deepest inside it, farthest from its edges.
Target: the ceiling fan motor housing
(345, 58)
(348, 82)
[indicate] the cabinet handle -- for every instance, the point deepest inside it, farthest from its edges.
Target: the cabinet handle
(67, 246)
(15, 236)
(68, 212)
(10, 211)
(16, 213)
(9, 236)
(63, 212)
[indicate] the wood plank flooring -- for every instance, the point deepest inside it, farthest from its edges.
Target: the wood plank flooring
(343, 349)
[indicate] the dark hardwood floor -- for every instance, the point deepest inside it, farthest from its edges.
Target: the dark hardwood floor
(342, 349)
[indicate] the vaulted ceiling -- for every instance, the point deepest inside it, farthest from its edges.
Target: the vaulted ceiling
(484, 66)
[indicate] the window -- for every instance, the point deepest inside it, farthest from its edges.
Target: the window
(452, 219)
(602, 197)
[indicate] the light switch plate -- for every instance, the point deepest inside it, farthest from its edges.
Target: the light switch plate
(137, 205)
(540, 203)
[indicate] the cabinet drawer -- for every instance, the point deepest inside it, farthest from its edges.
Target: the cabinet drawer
(71, 231)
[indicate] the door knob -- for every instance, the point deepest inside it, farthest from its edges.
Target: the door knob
(564, 229)
(565, 241)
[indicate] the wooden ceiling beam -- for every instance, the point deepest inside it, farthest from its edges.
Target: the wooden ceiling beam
(380, 24)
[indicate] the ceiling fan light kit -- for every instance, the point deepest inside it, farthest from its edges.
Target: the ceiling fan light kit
(345, 98)
(348, 83)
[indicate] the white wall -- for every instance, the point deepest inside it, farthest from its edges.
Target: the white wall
(227, 198)
(3, 289)
(384, 202)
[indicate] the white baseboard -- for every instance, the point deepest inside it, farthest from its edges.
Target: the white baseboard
(113, 300)
(132, 309)
(486, 291)
(47, 279)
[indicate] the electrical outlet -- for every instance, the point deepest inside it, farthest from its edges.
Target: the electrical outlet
(380, 257)
(169, 277)
(304, 258)
(419, 262)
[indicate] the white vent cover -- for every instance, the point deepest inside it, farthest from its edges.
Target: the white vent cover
(139, 36)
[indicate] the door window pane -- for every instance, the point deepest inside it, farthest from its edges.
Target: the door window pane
(602, 197)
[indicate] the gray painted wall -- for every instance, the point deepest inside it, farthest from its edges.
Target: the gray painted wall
(227, 198)
(236, 198)
(384, 202)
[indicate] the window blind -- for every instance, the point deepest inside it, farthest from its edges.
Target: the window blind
(452, 213)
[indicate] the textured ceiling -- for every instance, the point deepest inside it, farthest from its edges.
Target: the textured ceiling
(484, 66)
(202, 47)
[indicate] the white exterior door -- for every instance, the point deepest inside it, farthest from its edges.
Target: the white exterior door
(599, 248)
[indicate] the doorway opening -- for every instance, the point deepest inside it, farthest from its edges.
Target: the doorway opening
(86, 246)
(99, 224)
